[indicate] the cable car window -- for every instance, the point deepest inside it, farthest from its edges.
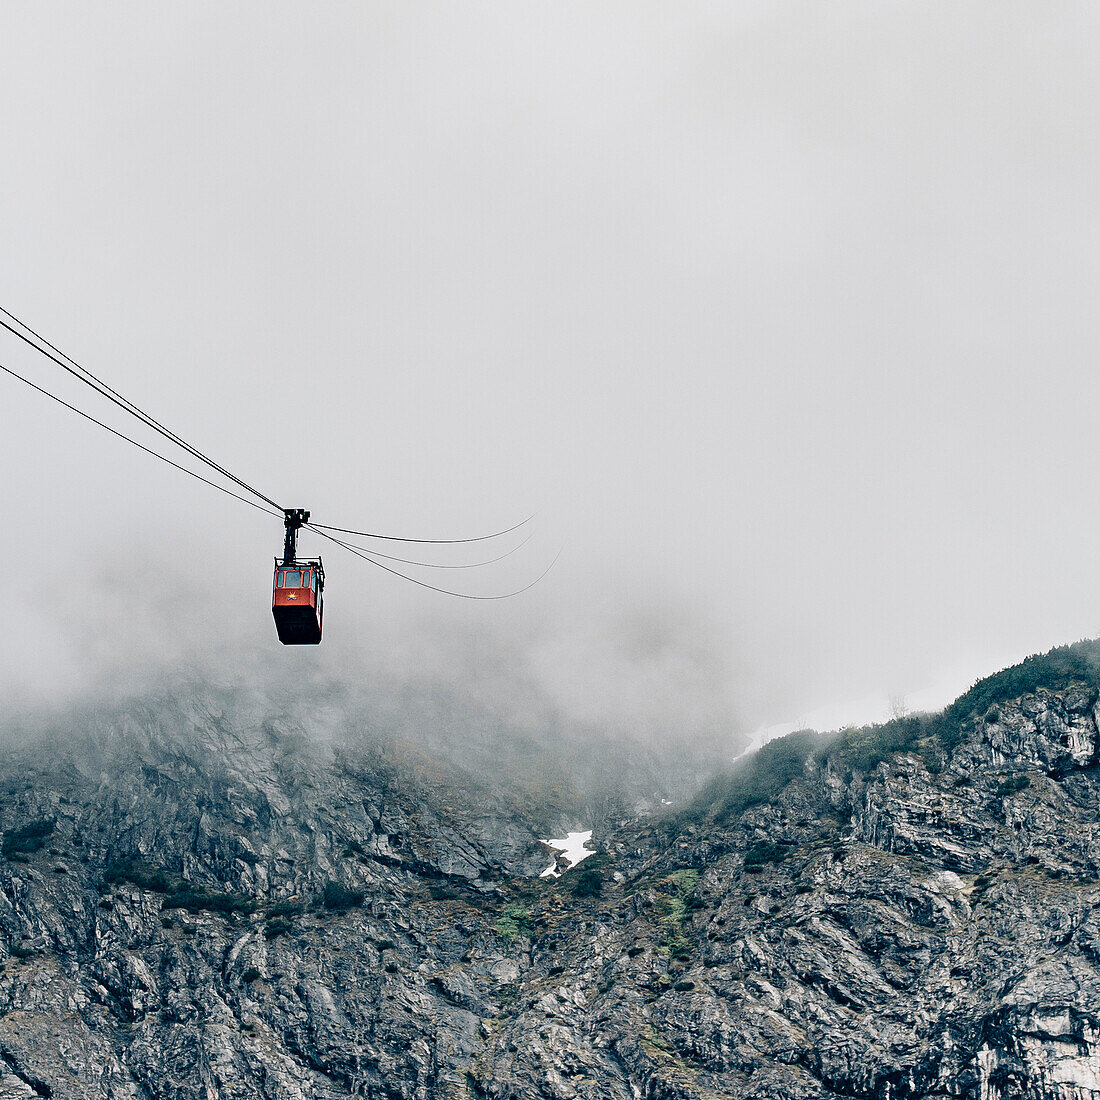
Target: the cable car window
(279, 575)
(293, 579)
(306, 577)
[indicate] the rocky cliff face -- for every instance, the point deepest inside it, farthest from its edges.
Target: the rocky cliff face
(198, 900)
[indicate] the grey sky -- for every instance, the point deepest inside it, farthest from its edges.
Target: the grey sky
(783, 316)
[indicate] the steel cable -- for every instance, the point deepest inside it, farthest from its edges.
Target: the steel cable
(92, 381)
(140, 446)
(82, 374)
(436, 565)
(436, 542)
(366, 556)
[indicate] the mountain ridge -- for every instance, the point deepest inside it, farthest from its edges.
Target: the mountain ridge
(199, 900)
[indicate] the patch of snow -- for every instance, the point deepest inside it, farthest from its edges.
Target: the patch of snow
(572, 849)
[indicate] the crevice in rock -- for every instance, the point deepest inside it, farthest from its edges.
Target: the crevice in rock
(40, 1087)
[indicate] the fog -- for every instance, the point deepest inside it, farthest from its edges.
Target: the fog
(779, 316)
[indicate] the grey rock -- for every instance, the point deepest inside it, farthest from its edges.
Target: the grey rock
(250, 907)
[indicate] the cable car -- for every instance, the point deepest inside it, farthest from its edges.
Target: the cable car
(297, 588)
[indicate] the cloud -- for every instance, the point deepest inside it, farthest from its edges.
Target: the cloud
(780, 315)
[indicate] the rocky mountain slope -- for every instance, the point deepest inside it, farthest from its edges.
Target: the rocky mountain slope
(199, 899)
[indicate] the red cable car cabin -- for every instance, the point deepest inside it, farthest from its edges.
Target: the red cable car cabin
(296, 601)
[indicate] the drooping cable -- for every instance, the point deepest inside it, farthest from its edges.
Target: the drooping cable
(436, 565)
(70, 365)
(435, 542)
(140, 446)
(365, 555)
(82, 374)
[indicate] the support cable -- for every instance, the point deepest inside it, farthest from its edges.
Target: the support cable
(436, 565)
(365, 555)
(436, 542)
(69, 364)
(82, 374)
(140, 446)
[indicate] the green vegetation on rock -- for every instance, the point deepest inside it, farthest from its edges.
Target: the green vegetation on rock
(196, 899)
(759, 778)
(340, 898)
(137, 871)
(179, 894)
(589, 883)
(678, 894)
(514, 921)
(764, 851)
(1013, 785)
(28, 838)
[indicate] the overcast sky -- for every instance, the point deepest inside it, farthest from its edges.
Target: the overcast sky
(781, 315)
